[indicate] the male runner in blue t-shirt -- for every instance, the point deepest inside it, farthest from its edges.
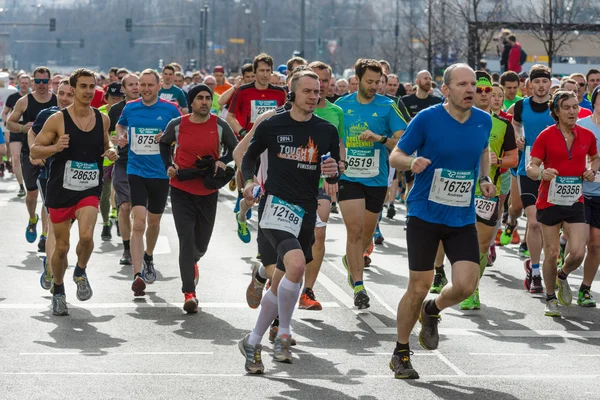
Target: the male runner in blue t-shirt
(451, 141)
(372, 124)
(141, 124)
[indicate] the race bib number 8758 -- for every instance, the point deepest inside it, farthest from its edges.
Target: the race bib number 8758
(143, 141)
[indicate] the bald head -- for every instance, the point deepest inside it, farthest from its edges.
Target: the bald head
(423, 82)
(454, 68)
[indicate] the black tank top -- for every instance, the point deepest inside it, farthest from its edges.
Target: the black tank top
(76, 172)
(33, 109)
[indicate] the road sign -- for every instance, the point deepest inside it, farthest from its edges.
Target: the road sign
(332, 46)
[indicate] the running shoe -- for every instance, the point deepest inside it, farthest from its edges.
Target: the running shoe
(523, 250)
(42, 244)
(564, 295)
(21, 192)
(493, 253)
(196, 274)
(31, 231)
(528, 274)
(497, 240)
(439, 281)
(254, 364)
(9, 168)
(243, 231)
(148, 271)
(106, 235)
(84, 290)
(467, 304)
(282, 349)
(350, 280)
(507, 235)
(516, 238)
(249, 213)
(429, 337)
(190, 303)
(46, 277)
(113, 213)
(361, 299)
(308, 301)
(476, 300)
(367, 261)
(536, 284)
(561, 255)
(255, 289)
(139, 287)
(585, 299)
(334, 209)
(490, 262)
(391, 211)
(551, 309)
(402, 366)
(378, 236)
(273, 334)
(236, 209)
(126, 258)
(59, 304)
(232, 184)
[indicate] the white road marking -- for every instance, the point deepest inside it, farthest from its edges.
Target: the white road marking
(148, 304)
(450, 364)
(524, 333)
(144, 353)
(511, 354)
(162, 245)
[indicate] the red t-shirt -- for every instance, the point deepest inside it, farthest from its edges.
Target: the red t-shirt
(550, 147)
(98, 100)
(583, 113)
(249, 102)
(195, 140)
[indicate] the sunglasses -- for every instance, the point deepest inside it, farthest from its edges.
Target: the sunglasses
(44, 81)
(581, 84)
(484, 89)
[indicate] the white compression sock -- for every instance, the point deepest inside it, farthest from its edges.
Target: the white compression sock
(287, 298)
(268, 312)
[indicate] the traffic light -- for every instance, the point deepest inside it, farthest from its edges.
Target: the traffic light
(128, 24)
(161, 64)
(81, 43)
(52, 24)
(58, 43)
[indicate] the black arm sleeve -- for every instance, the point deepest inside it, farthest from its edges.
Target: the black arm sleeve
(228, 141)
(166, 140)
(510, 142)
(257, 145)
(518, 111)
(335, 154)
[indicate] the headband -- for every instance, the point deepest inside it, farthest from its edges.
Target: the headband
(539, 74)
(483, 82)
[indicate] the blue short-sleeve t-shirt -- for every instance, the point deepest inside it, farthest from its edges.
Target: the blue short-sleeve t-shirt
(450, 146)
(368, 161)
(143, 123)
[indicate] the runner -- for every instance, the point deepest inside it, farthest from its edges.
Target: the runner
(503, 154)
(170, 92)
(249, 102)
(451, 141)
(372, 124)
(131, 88)
(16, 138)
(141, 124)
(65, 98)
(560, 198)
(292, 184)
(194, 201)
(509, 80)
(222, 84)
(77, 138)
(531, 116)
(27, 108)
(591, 192)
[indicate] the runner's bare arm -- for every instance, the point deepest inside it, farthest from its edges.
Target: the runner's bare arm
(12, 123)
(393, 141)
(484, 163)
(110, 151)
(242, 146)
(226, 96)
(50, 140)
(233, 122)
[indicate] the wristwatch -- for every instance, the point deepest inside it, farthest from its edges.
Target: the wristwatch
(486, 179)
(383, 139)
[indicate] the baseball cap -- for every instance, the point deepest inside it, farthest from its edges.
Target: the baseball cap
(555, 83)
(282, 69)
(218, 68)
(115, 89)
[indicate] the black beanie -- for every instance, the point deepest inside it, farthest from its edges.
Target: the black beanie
(594, 96)
(193, 92)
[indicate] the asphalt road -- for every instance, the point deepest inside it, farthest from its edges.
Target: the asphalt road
(115, 346)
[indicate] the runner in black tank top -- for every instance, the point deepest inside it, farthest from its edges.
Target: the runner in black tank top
(75, 180)
(82, 160)
(33, 109)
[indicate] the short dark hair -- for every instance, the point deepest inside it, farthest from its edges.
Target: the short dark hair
(509, 76)
(168, 67)
(114, 70)
(299, 75)
(320, 66)
(384, 77)
(496, 84)
(295, 60)
(42, 70)
(247, 68)
(262, 57)
(512, 38)
(64, 82)
(495, 77)
(592, 71)
(122, 71)
(394, 76)
(75, 75)
(557, 99)
(363, 64)
(569, 80)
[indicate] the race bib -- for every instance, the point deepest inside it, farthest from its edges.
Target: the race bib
(259, 107)
(80, 176)
(143, 141)
(485, 207)
(282, 216)
(452, 188)
(564, 190)
(362, 163)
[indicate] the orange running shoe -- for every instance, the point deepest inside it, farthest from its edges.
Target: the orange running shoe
(516, 238)
(190, 304)
(497, 240)
(308, 301)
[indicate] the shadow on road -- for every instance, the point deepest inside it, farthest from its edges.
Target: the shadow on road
(447, 390)
(303, 391)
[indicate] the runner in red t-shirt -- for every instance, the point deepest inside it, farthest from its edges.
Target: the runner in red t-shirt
(248, 103)
(563, 149)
